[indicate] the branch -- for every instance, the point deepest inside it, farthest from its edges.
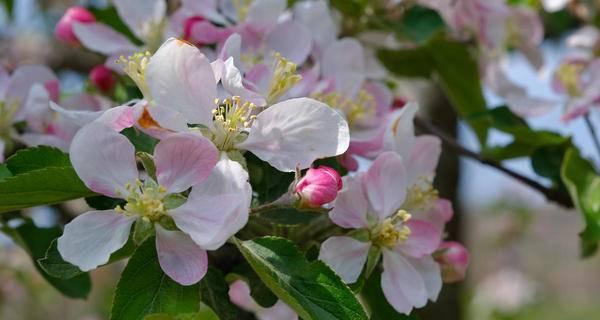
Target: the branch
(550, 194)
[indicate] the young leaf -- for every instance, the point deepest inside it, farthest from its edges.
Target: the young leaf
(36, 241)
(312, 289)
(583, 183)
(214, 293)
(144, 289)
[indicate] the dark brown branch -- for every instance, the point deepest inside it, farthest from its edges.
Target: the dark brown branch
(554, 195)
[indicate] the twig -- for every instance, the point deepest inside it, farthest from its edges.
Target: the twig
(593, 133)
(550, 194)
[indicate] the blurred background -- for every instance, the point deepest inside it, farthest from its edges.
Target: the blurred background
(525, 261)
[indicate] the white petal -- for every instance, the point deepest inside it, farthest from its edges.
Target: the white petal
(431, 273)
(179, 257)
(102, 38)
(296, 132)
(183, 160)
(292, 40)
(232, 81)
(264, 13)
(315, 15)
(103, 159)
(400, 132)
(344, 61)
(90, 239)
(216, 208)
(346, 256)
(23, 78)
(351, 206)
(385, 184)
(141, 15)
(402, 284)
(180, 77)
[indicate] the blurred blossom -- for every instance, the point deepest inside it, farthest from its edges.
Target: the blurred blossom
(453, 257)
(507, 291)
(64, 28)
(103, 78)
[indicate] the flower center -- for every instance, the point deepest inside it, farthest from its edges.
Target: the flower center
(358, 109)
(7, 114)
(284, 77)
(392, 230)
(569, 74)
(242, 7)
(421, 195)
(144, 199)
(231, 118)
(135, 67)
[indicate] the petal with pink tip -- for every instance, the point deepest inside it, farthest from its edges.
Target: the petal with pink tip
(179, 257)
(101, 38)
(90, 239)
(424, 239)
(103, 159)
(402, 284)
(345, 255)
(183, 160)
(351, 206)
(385, 184)
(218, 207)
(180, 77)
(121, 117)
(296, 132)
(439, 214)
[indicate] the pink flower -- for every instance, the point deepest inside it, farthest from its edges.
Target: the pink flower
(64, 28)
(453, 257)
(103, 78)
(374, 201)
(105, 161)
(239, 294)
(319, 186)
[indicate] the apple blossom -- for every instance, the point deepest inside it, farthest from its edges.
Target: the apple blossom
(319, 186)
(454, 259)
(105, 161)
(374, 201)
(64, 28)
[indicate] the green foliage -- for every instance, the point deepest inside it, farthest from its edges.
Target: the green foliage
(53, 264)
(266, 181)
(583, 182)
(418, 24)
(141, 141)
(260, 293)
(4, 172)
(289, 216)
(36, 241)
(312, 289)
(214, 293)
(455, 68)
(103, 202)
(351, 8)
(378, 304)
(144, 289)
(37, 158)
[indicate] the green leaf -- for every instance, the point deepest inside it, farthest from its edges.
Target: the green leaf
(205, 313)
(268, 182)
(37, 158)
(214, 293)
(36, 241)
(148, 163)
(144, 289)
(41, 187)
(110, 17)
(352, 8)
(4, 172)
(141, 141)
(260, 293)
(583, 183)
(312, 289)
(53, 264)
(420, 24)
(142, 230)
(290, 216)
(413, 63)
(103, 202)
(378, 304)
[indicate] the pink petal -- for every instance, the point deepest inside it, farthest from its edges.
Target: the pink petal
(179, 257)
(103, 159)
(296, 132)
(385, 184)
(102, 38)
(351, 206)
(345, 255)
(183, 160)
(239, 294)
(218, 207)
(424, 239)
(439, 214)
(180, 77)
(90, 239)
(402, 284)
(121, 117)
(279, 311)
(423, 158)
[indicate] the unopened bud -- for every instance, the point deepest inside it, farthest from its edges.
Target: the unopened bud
(319, 186)
(103, 78)
(453, 257)
(64, 28)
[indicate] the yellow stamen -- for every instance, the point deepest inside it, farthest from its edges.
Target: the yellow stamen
(232, 116)
(146, 201)
(357, 109)
(392, 231)
(284, 77)
(135, 67)
(421, 195)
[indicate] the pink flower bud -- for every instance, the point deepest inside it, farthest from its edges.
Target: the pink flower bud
(64, 28)
(319, 186)
(103, 78)
(453, 257)
(189, 24)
